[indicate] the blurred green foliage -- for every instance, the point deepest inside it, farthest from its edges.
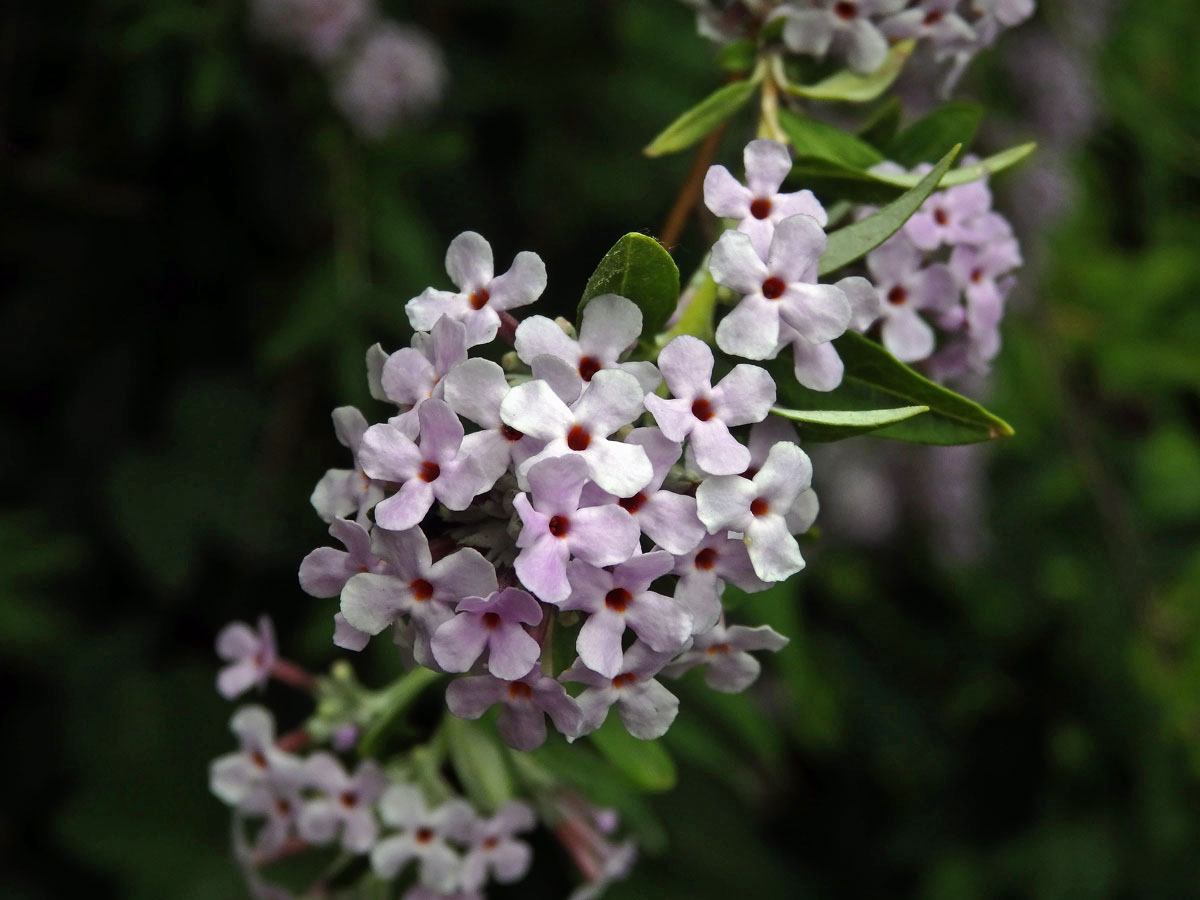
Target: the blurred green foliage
(197, 253)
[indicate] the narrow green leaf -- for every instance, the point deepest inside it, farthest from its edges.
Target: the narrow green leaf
(855, 241)
(639, 268)
(738, 56)
(823, 425)
(854, 88)
(982, 169)
(479, 763)
(932, 137)
(646, 763)
(875, 380)
(702, 118)
(814, 139)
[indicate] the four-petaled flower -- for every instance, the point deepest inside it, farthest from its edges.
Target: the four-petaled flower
(494, 847)
(424, 836)
(646, 708)
(758, 508)
(527, 701)
(846, 28)
(250, 654)
(345, 803)
(494, 624)
(482, 295)
(702, 412)
(758, 205)
(783, 288)
(725, 652)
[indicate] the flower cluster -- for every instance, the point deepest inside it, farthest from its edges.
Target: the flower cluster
(858, 33)
(951, 262)
(583, 499)
(382, 72)
(298, 802)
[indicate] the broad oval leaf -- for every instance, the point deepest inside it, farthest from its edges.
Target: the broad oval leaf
(855, 241)
(645, 763)
(479, 763)
(931, 137)
(824, 425)
(854, 88)
(814, 139)
(874, 380)
(639, 268)
(702, 118)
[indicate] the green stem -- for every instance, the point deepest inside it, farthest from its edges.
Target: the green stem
(390, 705)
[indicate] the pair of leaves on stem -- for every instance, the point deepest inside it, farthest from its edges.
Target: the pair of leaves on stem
(741, 57)
(878, 393)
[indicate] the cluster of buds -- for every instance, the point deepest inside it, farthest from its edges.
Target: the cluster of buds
(951, 262)
(382, 72)
(858, 33)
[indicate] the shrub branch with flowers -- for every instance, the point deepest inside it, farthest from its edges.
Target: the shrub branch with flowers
(546, 521)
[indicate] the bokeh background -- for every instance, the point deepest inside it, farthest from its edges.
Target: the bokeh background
(993, 685)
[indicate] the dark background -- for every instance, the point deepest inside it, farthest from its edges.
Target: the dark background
(993, 685)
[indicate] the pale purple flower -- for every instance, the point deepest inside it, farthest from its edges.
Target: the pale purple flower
(978, 272)
(342, 493)
(614, 862)
(758, 205)
(666, 517)
(758, 509)
(619, 599)
(703, 413)
(492, 624)
(611, 325)
(817, 27)
(818, 366)
(482, 295)
(646, 708)
(344, 805)
(233, 776)
(936, 20)
(782, 288)
(325, 571)
(279, 801)
(763, 437)
(424, 836)
(495, 849)
(412, 375)
(319, 28)
(702, 575)
(414, 585)
(957, 215)
(725, 652)
(992, 16)
(527, 701)
(396, 73)
(908, 288)
(475, 391)
(250, 655)
(556, 528)
(612, 399)
(436, 468)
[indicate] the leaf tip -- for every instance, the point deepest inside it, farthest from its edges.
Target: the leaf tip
(1001, 430)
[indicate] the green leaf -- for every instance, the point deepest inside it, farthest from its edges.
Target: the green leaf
(646, 763)
(997, 163)
(881, 127)
(814, 139)
(932, 137)
(639, 268)
(875, 380)
(822, 425)
(854, 88)
(479, 763)
(697, 318)
(738, 56)
(855, 241)
(702, 118)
